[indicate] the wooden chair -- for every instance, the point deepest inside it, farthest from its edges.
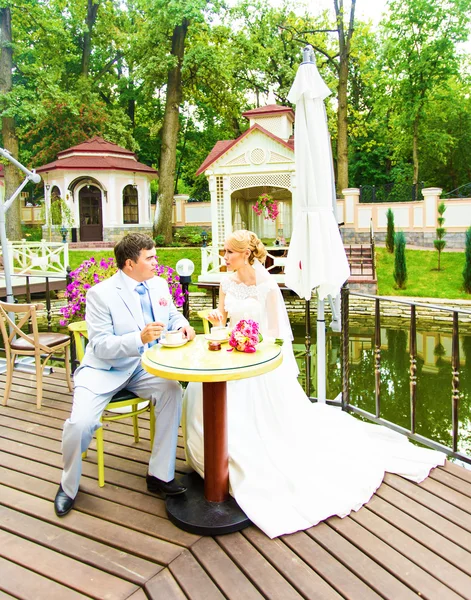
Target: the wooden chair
(19, 343)
(122, 405)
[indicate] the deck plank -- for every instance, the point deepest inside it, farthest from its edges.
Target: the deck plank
(431, 500)
(97, 554)
(23, 583)
(453, 581)
(83, 578)
(308, 583)
(427, 516)
(423, 534)
(164, 587)
(258, 570)
(332, 570)
(231, 581)
(354, 558)
(410, 540)
(193, 579)
(115, 535)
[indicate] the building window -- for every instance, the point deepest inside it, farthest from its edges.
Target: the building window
(130, 207)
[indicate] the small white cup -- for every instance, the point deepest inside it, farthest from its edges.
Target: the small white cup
(219, 333)
(173, 337)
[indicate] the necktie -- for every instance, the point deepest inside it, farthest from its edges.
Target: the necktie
(146, 306)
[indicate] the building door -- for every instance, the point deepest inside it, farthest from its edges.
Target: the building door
(91, 222)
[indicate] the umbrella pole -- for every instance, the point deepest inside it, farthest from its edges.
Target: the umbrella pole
(321, 371)
(307, 343)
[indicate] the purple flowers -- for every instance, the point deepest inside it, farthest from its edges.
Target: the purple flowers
(90, 272)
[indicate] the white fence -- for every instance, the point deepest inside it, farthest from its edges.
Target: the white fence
(38, 257)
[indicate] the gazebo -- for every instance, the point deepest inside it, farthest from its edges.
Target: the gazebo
(105, 187)
(261, 160)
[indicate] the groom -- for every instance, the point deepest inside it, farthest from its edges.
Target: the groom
(125, 314)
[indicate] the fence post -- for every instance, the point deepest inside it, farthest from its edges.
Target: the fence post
(344, 296)
(455, 381)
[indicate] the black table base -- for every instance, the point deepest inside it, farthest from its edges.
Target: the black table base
(192, 512)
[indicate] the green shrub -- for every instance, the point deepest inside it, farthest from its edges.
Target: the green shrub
(390, 231)
(400, 268)
(467, 264)
(440, 243)
(190, 235)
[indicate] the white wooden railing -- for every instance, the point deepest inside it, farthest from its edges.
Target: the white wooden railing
(212, 261)
(38, 257)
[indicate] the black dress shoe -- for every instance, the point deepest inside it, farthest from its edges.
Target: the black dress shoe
(169, 488)
(62, 503)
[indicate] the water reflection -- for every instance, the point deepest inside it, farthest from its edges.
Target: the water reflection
(434, 348)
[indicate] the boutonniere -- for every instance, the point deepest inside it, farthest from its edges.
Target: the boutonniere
(163, 301)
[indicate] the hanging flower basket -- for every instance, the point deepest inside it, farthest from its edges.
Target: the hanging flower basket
(266, 207)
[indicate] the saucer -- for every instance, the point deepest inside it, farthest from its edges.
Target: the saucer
(167, 345)
(210, 338)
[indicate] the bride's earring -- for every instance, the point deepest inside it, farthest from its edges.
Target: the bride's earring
(246, 262)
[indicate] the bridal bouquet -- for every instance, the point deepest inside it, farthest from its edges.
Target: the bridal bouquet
(245, 336)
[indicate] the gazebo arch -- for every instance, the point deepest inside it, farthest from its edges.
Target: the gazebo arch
(260, 160)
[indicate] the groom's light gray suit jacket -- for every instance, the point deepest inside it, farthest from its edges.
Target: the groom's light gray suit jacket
(114, 323)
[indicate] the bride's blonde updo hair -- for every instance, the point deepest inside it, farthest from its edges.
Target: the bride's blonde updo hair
(241, 240)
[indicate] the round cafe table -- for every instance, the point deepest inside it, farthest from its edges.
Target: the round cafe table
(207, 508)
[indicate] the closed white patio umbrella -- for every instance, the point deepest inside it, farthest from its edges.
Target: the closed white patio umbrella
(316, 256)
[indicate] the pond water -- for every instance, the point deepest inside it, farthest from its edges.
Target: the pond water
(434, 376)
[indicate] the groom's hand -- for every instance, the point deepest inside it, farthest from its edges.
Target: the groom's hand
(152, 331)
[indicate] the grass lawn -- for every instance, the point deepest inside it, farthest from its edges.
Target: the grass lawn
(423, 279)
(166, 256)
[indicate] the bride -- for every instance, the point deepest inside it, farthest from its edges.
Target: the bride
(292, 463)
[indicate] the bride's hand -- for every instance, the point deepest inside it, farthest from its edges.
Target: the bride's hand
(215, 318)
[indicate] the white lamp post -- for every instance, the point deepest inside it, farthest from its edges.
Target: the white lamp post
(185, 268)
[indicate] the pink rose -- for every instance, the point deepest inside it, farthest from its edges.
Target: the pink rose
(163, 302)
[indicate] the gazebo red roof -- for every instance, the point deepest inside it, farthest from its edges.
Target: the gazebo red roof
(223, 146)
(97, 154)
(270, 109)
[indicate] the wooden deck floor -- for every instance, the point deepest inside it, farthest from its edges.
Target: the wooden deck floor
(408, 541)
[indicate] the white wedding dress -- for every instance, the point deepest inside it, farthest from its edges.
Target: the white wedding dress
(293, 463)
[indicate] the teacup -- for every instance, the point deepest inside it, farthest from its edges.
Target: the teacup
(219, 333)
(173, 337)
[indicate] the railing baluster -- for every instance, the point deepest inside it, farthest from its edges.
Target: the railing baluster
(413, 365)
(48, 305)
(455, 380)
(345, 347)
(307, 343)
(377, 358)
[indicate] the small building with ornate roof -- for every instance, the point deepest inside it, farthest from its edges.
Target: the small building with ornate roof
(105, 187)
(259, 161)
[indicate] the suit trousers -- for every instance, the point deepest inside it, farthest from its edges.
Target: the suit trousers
(84, 420)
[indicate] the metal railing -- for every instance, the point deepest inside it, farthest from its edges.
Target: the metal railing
(464, 191)
(454, 373)
(391, 192)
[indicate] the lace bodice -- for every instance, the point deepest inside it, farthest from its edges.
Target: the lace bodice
(245, 301)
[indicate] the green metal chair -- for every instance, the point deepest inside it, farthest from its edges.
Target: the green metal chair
(124, 404)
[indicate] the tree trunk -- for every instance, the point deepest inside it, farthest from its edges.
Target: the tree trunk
(342, 110)
(342, 127)
(10, 140)
(415, 149)
(92, 10)
(168, 156)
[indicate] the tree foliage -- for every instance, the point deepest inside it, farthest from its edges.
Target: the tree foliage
(109, 68)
